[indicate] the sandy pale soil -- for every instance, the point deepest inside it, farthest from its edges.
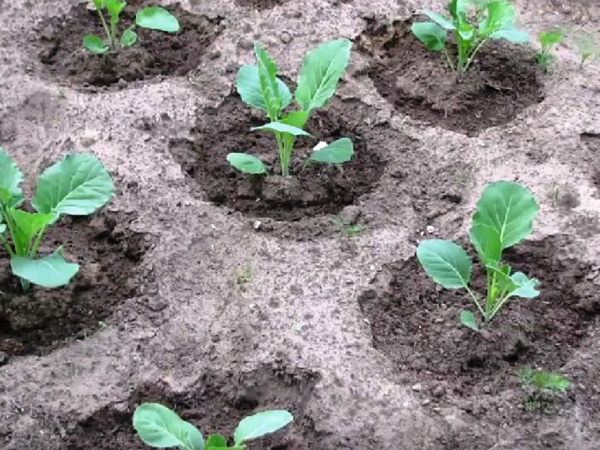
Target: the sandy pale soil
(194, 294)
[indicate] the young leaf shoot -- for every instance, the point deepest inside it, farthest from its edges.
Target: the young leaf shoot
(259, 87)
(548, 40)
(474, 23)
(159, 427)
(151, 17)
(542, 387)
(586, 47)
(503, 217)
(78, 185)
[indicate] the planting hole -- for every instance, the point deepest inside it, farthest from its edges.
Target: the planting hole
(318, 190)
(216, 404)
(156, 53)
(502, 82)
(42, 319)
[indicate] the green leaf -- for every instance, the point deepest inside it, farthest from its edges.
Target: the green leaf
(466, 32)
(157, 18)
(99, 4)
(486, 241)
(94, 44)
(49, 272)
(280, 127)
(467, 318)
(337, 152)
(114, 8)
(508, 208)
(77, 185)
(511, 35)
(525, 287)
(274, 98)
(26, 227)
(321, 72)
(160, 427)
(551, 38)
(2, 228)
(447, 263)
(430, 34)
(246, 163)
(260, 424)
(458, 7)
(11, 178)
(249, 88)
(215, 442)
(128, 38)
(442, 21)
(500, 15)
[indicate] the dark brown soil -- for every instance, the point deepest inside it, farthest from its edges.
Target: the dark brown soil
(502, 82)
(216, 405)
(317, 190)
(156, 53)
(43, 319)
(261, 5)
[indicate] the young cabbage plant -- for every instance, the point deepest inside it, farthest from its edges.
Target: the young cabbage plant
(77, 185)
(542, 386)
(152, 17)
(259, 87)
(158, 426)
(586, 47)
(548, 40)
(503, 217)
(473, 23)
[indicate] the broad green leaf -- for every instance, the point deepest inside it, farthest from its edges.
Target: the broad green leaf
(512, 35)
(467, 318)
(508, 208)
(26, 227)
(430, 34)
(442, 21)
(280, 127)
(99, 4)
(246, 163)
(274, 99)
(551, 38)
(447, 263)
(128, 38)
(157, 18)
(160, 427)
(458, 7)
(49, 272)
(114, 8)
(10, 181)
(2, 228)
(337, 152)
(500, 15)
(321, 72)
(260, 424)
(215, 442)
(94, 44)
(466, 32)
(77, 185)
(249, 88)
(486, 241)
(526, 287)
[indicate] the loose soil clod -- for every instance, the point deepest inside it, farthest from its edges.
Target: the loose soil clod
(156, 53)
(502, 82)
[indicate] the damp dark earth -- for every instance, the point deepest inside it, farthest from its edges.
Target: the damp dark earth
(200, 238)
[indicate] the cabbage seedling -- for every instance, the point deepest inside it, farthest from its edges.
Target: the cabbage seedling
(548, 40)
(493, 20)
(158, 426)
(259, 87)
(77, 185)
(542, 386)
(586, 47)
(152, 17)
(503, 217)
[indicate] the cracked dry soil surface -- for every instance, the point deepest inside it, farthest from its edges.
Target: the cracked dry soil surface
(220, 298)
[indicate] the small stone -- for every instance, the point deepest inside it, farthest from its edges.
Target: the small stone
(257, 224)
(214, 54)
(350, 215)
(430, 229)
(417, 387)
(286, 37)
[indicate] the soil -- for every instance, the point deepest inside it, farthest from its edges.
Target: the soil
(41, 320)
(260, 5)
(194, 294)
(154, 54)
(503, 80)
(315, 190)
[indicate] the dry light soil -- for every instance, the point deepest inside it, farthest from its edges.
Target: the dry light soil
(221, 295)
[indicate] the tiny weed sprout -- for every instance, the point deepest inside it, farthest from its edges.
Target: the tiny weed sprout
(548, 40)
(474, 23)
(77, 185)
(152, 17)
(503, 217)
(586, 47)
(259, 87)
(159, 427)
(542, 387)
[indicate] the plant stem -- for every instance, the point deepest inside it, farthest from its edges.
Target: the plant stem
(498, 306)
(472, 57)
(38, 239)
(449, 59)
(106, 30)
(475, 300)
(284, 159)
